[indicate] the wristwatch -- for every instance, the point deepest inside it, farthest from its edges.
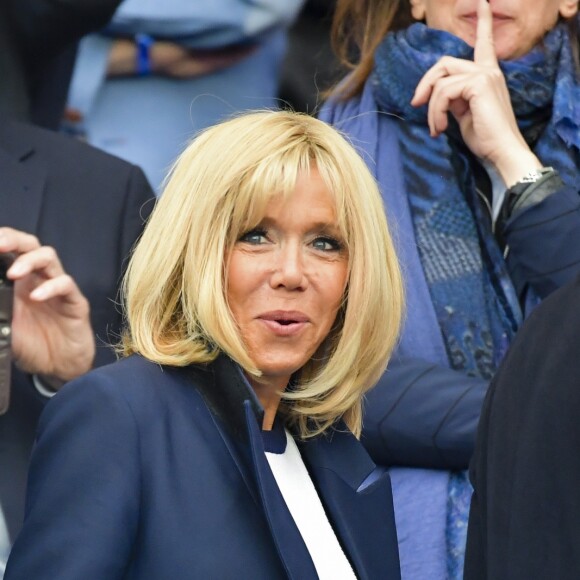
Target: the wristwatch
(533, 188)
(536, 174)
(514, 198)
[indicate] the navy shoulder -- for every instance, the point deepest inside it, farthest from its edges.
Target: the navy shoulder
(142, 384)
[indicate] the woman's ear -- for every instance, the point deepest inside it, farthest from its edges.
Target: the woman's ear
(568, 8)
(418, 9)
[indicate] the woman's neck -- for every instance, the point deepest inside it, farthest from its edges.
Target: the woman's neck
(269, 392)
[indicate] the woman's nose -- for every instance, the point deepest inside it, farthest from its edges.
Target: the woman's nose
(289, 269)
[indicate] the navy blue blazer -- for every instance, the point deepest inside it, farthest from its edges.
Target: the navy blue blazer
(89, 206)
(149, 472)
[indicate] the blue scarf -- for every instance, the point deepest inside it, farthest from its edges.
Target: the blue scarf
(475, 302)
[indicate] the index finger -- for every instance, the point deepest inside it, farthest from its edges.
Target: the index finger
(484, 50)
(12, 240)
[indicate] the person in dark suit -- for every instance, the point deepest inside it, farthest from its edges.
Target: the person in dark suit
(225, 444)
(525, 511)
(37, 51)
(90, 208)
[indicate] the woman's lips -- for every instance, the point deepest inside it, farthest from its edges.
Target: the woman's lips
(283, 323)
(498, 17)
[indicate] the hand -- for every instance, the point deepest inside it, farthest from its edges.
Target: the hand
(476, 94)
(173, 60)
(51, 330)
(176, 61)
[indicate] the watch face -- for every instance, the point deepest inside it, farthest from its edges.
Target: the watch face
(536, 174)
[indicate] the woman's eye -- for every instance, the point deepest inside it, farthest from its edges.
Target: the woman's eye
(326, 244)
(255, 237)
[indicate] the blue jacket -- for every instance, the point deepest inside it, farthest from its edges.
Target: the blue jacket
(149, 472)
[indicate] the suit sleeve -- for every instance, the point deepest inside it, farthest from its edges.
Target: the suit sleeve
(544, 243)
(422, 415)
(84, 487)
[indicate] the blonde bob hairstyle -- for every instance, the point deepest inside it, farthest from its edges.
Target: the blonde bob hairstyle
(175, 288)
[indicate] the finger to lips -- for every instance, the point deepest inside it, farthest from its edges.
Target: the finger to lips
(445, 67)
(484, 50)
(450, 94)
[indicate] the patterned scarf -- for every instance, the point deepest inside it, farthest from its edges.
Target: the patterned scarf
(475, 302)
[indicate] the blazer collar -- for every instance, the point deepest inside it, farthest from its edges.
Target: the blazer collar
(238, 415)
(225, 390)
(355, 493)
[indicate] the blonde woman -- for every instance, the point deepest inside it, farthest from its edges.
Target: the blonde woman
(262, 302)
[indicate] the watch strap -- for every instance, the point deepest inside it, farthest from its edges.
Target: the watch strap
(526, 194)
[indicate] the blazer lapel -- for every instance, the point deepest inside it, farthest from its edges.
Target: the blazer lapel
(355, 493)
(238, 416)
(289, 543)
(22, 180)
(358, 500)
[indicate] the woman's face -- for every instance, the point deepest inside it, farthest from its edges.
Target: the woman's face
(286, 279)
(518, 25)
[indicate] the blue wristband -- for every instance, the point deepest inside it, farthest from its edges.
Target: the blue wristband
(144, 42)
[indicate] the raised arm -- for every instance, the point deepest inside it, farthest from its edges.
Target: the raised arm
(423, 415)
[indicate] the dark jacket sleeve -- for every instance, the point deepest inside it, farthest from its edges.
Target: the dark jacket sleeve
(84, 488)
(544, 243)
(422, 415)
(45, 27)
(38, 41)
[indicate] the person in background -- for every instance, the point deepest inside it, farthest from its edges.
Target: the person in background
(38, 41)
(478, 162)
(262, 302)
(525, 513)
(71, 213)
(160, 72)
(310, 68)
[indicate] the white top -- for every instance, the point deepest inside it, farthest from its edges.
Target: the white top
(306, 508)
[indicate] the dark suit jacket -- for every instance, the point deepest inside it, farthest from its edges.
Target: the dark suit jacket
(150, 472)
(88, 205)
(525, 512)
